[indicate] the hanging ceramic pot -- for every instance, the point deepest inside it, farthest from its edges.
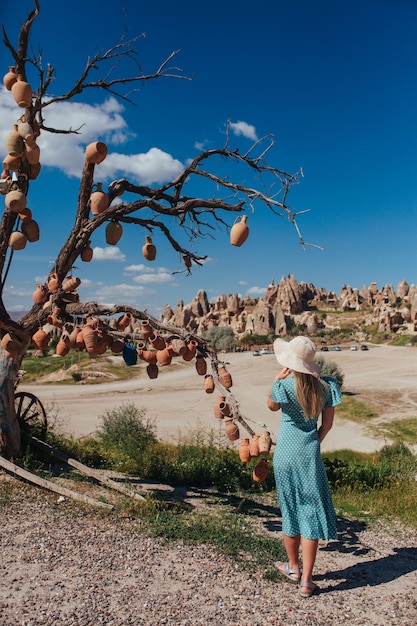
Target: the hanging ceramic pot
(265, 442)
(79, 340)
(178, 346)
(146, 330)
(164, 357)
(99, 200)
(12, 163)
(71, 283)
(31, 229)
(148, 249)
(260, 471)
(218, 413)
(25, 215)
(231, 430)
(32, 152)
(10, 78)
(41, 339)
(62, 348)
(87, 252)
(225, 408)
(72, 339)
(244, 451)
(200, 365)
(14, 143)
(148, 356)
(225, 378)
(96, 152)
(191, 350)
(17, 240)
(152, 370)
(117, 346)
(124, 321)
(114, 231)
(53, 283)
(40, 295)
(25, 130)
(34, 171)
(240, 231)
(15, 201)
(22, 92)
(254, 446)
(157, 342)
(208, 383)
(10, 344)
(4, 176)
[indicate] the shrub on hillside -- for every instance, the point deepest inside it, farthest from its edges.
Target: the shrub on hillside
(330, 368)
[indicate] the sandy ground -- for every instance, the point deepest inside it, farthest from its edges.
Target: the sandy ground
(385, 377)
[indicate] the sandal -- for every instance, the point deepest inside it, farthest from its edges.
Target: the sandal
(313, 588)
(293, 575)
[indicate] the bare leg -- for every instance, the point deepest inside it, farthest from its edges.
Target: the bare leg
(309, 551)
(292, 548)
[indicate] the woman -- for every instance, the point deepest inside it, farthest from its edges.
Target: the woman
(303, 492)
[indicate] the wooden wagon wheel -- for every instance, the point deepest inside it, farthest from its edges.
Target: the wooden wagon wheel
(30, 414)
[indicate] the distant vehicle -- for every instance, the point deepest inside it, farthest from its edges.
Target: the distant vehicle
(264, 351)
(353, 348)
(256, 353)
(364, 347)
(336, 348)
(325, 349)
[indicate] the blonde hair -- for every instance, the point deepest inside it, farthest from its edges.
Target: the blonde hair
(309, 393)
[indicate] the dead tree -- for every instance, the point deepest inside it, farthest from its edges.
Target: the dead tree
(153, 210)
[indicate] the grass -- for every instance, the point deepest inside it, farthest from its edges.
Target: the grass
(401, 430)
(354, 410)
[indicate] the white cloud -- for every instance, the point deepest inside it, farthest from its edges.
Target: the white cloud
(256, 291)
(244, 129)
(242, 282)
(112, 253)
(152, 279)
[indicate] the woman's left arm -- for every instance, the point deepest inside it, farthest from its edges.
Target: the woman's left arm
(327, 417)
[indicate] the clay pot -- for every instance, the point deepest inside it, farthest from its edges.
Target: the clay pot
(208, 383)
(31, 229)
(71, 283)
(164, 357)
(62, 348)
(191, 350)
(265, 442)
(90, 339)
(200, 365)
(22, 92)
(254, 446)
(152, 370)
(25, 215)
(10, 344)
(53, 283)
(5, 175)
(114, 231)
(79, 340)
(15, 201)
(178, 346)
(96, 152)
(14, 143)
(231, 429)
(244, 451)
(12, 163)
(25, 130)
(117, 346)
(32, 153)
(87, 252)
(240, 231)
(146, 330)
(17, 240)
(41, 339)
(40, 295)
(187, 261)
(10, 78)
(260, 471)
(225, 378)
(148, 356)
(157, 342)
(218, 413)
(124, 321)
(34, 171)
(148, 249)
(72, 338)
(99, 200)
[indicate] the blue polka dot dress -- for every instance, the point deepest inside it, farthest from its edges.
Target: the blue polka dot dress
(303, 491)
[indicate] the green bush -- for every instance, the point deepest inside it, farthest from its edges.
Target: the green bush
(330, 368)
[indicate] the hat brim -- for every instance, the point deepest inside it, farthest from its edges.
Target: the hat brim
(287, 359)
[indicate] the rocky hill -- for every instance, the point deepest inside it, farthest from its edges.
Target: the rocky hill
(288, 303)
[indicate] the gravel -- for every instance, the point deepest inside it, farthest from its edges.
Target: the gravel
(64, 566)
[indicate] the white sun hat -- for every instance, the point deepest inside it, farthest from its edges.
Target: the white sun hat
(297, 354)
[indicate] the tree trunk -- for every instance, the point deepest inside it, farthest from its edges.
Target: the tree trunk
(9, 426)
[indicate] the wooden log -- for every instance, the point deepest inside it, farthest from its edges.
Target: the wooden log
(84, 469)
(46, 484)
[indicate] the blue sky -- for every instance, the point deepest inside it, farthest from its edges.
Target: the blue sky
(334, 82)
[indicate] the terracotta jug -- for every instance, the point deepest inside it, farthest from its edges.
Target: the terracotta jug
(40, 295)
(240, 231)
(25, 130)
(157, 341)
(34, 171)
(72, 339)
(200, 365)
(164, 357)
(71, 283)
(260, 471)
(79, 340)
(25, 215)
(148, 356)
(10, 78)
(87, 252)
(178, 346)
(146, 330)
(96, 152)
(265, 442)
(208, 383)
(124, 321)
(117, 346)
(231, 429)
(15, 201)
(12, 163)
(10, 344)
(22, 92)
(225, 378)
(244, 451)
(41, 339)
(218, 414)
(14, 143)
(53, 283)
(152, 370)
(62, 348)
(114, 231)
(254, 446)
(31, 229)
(32, 153)
(90, 339)
(191, 350)
(17, 240)
(99, 200)
(148, 249)
(225, 408)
